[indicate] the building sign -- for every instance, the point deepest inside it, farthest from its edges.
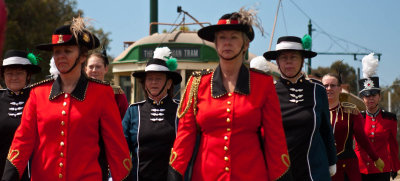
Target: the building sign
(178, 53)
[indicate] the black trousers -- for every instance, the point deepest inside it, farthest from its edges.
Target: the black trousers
(376, 177)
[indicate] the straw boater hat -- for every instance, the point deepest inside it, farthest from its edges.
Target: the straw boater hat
(21, 58)
(240, 21)
(289, 43)
(161, 62)
(74, 34)
(369, 85)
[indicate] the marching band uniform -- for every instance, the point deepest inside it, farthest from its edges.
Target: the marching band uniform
(308, 131)
(121, 100)
(231, 146)
(381, 130)
(69, 150)
(150, 126)
(346, 122)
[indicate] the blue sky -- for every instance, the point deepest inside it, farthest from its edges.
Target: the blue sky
(371, 24)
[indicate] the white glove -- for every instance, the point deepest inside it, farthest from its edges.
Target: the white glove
(332, 170)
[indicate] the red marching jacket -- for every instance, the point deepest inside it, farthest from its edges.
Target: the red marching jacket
(60, 134)
(381, 130)
(231, 145)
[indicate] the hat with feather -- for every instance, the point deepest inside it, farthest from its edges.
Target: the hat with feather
(74, 34)
(19, 58)
(369, 85)
(240, 21)
(162, 61)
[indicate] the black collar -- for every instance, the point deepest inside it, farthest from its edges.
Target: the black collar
(242, 83)
(78, 93)
(286, 81)
(373, 114)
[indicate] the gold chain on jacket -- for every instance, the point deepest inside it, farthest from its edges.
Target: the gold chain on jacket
(192, 94)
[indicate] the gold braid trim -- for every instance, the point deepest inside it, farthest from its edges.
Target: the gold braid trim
(349, 108)
(193, 92)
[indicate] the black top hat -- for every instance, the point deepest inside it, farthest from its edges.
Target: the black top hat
(289, 43)
(369, 86)
(227, 22)
(161, 62)
(23, 59)
(64, 36)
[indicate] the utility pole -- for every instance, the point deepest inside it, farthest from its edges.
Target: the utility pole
(309, 33)
(154, 16)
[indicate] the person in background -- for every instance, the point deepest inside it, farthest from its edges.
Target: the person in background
(305, 113)
(16, 71)
(63, 120)
(380, 127)
(347, 121)
(97, 67)
(234, 110)
(150, 125)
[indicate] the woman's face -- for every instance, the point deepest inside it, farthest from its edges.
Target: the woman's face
(371, 101)
(229, 43)
(65, 56)
(96, 68)
(290, 62)
(15, 78)
(155, 81)
(332, 87)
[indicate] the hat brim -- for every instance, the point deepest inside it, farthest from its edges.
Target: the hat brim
(92, 44)
(49, 46)
(208, 33)
(370, 92)
(33, 69)
(175, 76)
(273, 55)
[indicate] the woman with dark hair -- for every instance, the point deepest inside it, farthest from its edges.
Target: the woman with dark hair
(63, 120)
(150, 126)
(97, 67)
(347, 121)
(233, 110)
(16, 70)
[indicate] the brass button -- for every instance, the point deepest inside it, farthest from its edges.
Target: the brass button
(226, 158)
(62, 133)
(62, 123)
(373, 126)
(228, 129)
(61, 164)
(225, 137)
(60, 176)
(367, 163)
(301, 80)
(373, 119)
(228, 110)
(287, 82)
(229, 94)
(372, 133)
(66, 96)
(162, 102)
(344, 165)
(229, 102)
(62, 143)
(63, 112)
(227, 169)
(225, 148)
(65, 103)
(228, 120)
(154, 102)
(61, 154)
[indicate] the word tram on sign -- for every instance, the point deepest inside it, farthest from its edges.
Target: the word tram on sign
(178, 53)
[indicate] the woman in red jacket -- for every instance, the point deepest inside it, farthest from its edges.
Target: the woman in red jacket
(227, 108)
(64, 119)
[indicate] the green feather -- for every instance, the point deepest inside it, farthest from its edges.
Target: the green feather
(307, 42)
(172, 64)
(32, 58)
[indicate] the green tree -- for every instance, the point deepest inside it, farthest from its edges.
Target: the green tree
(32, 22)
